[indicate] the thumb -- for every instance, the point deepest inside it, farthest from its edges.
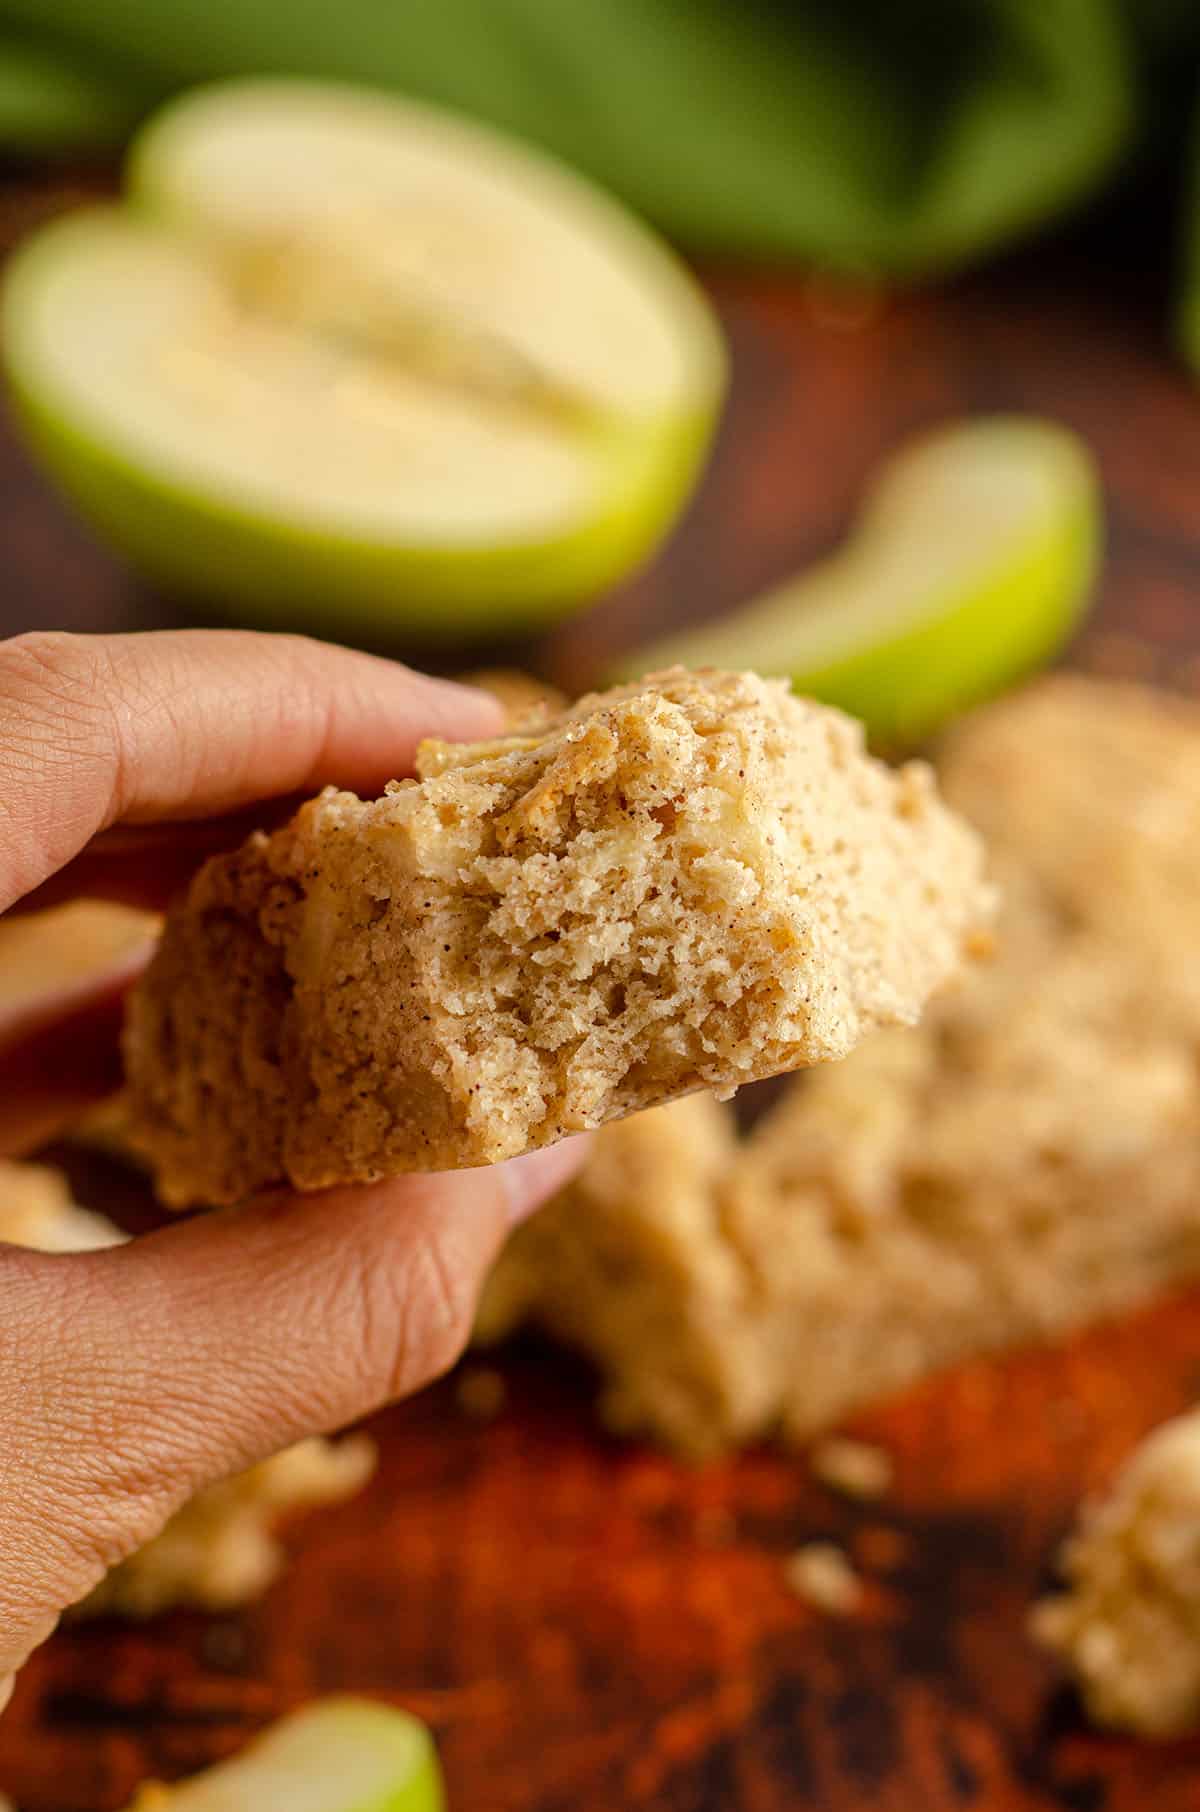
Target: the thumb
(132, 1377)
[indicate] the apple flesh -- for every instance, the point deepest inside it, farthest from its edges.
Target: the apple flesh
(971, 563)
(341, 357)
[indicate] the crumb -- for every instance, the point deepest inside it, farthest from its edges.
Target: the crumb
(694, 881)
(480, 1392)
(1127, 1624)
(222, 1548)
(854, 1468)
(821, 1574)
(36, 1209)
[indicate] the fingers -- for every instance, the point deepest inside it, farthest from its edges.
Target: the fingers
(147, 865)
(199, 1349)
(97, 730)
(297, 1313)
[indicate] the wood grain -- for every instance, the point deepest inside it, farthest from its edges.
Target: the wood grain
(590, 1627)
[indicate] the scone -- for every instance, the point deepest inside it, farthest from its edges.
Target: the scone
(1028, 1159)
(521, 695)
(1024, 1161)
(686, 883)
(631, 1264)
(220, 1549)
(1128, 1623)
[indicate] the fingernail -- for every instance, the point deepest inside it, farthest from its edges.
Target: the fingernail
(533, 1178)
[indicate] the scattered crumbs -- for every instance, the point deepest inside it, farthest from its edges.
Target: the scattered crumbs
(853, 1468)
(716, 1527)
(481, 1392)
(821, 1574)
(880, 1548)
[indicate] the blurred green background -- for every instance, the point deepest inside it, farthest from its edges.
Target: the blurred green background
(903, 138)
(886, 146)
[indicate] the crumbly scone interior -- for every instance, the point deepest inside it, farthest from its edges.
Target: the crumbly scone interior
(695, 884)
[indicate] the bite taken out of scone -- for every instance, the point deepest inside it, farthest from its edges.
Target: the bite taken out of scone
(694, 881)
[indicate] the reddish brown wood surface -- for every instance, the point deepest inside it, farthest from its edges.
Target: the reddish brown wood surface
(590, 1627)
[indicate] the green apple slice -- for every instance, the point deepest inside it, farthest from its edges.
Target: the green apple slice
(343, 356)
(971, 562)
(338, 1755)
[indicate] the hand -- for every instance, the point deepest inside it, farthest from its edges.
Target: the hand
(131, 1378)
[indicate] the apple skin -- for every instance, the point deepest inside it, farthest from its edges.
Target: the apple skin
(904, 687)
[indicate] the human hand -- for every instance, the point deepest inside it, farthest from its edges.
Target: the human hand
(130, 1378)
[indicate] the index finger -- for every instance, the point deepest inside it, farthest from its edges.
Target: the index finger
(178, 724)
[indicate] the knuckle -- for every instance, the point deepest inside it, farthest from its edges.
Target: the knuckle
(60, 692)
(55, 668)
(60, 752)
(418, 1317)
(445, 1308)
(92, 1485)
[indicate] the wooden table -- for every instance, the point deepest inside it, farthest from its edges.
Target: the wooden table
(589, 1627)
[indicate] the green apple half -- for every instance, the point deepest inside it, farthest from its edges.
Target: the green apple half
(338, 1755)
(971, 562)
(342, 355)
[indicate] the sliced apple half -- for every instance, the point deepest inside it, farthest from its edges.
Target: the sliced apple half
(971, 562)
(338, 1755)
(342, 355)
